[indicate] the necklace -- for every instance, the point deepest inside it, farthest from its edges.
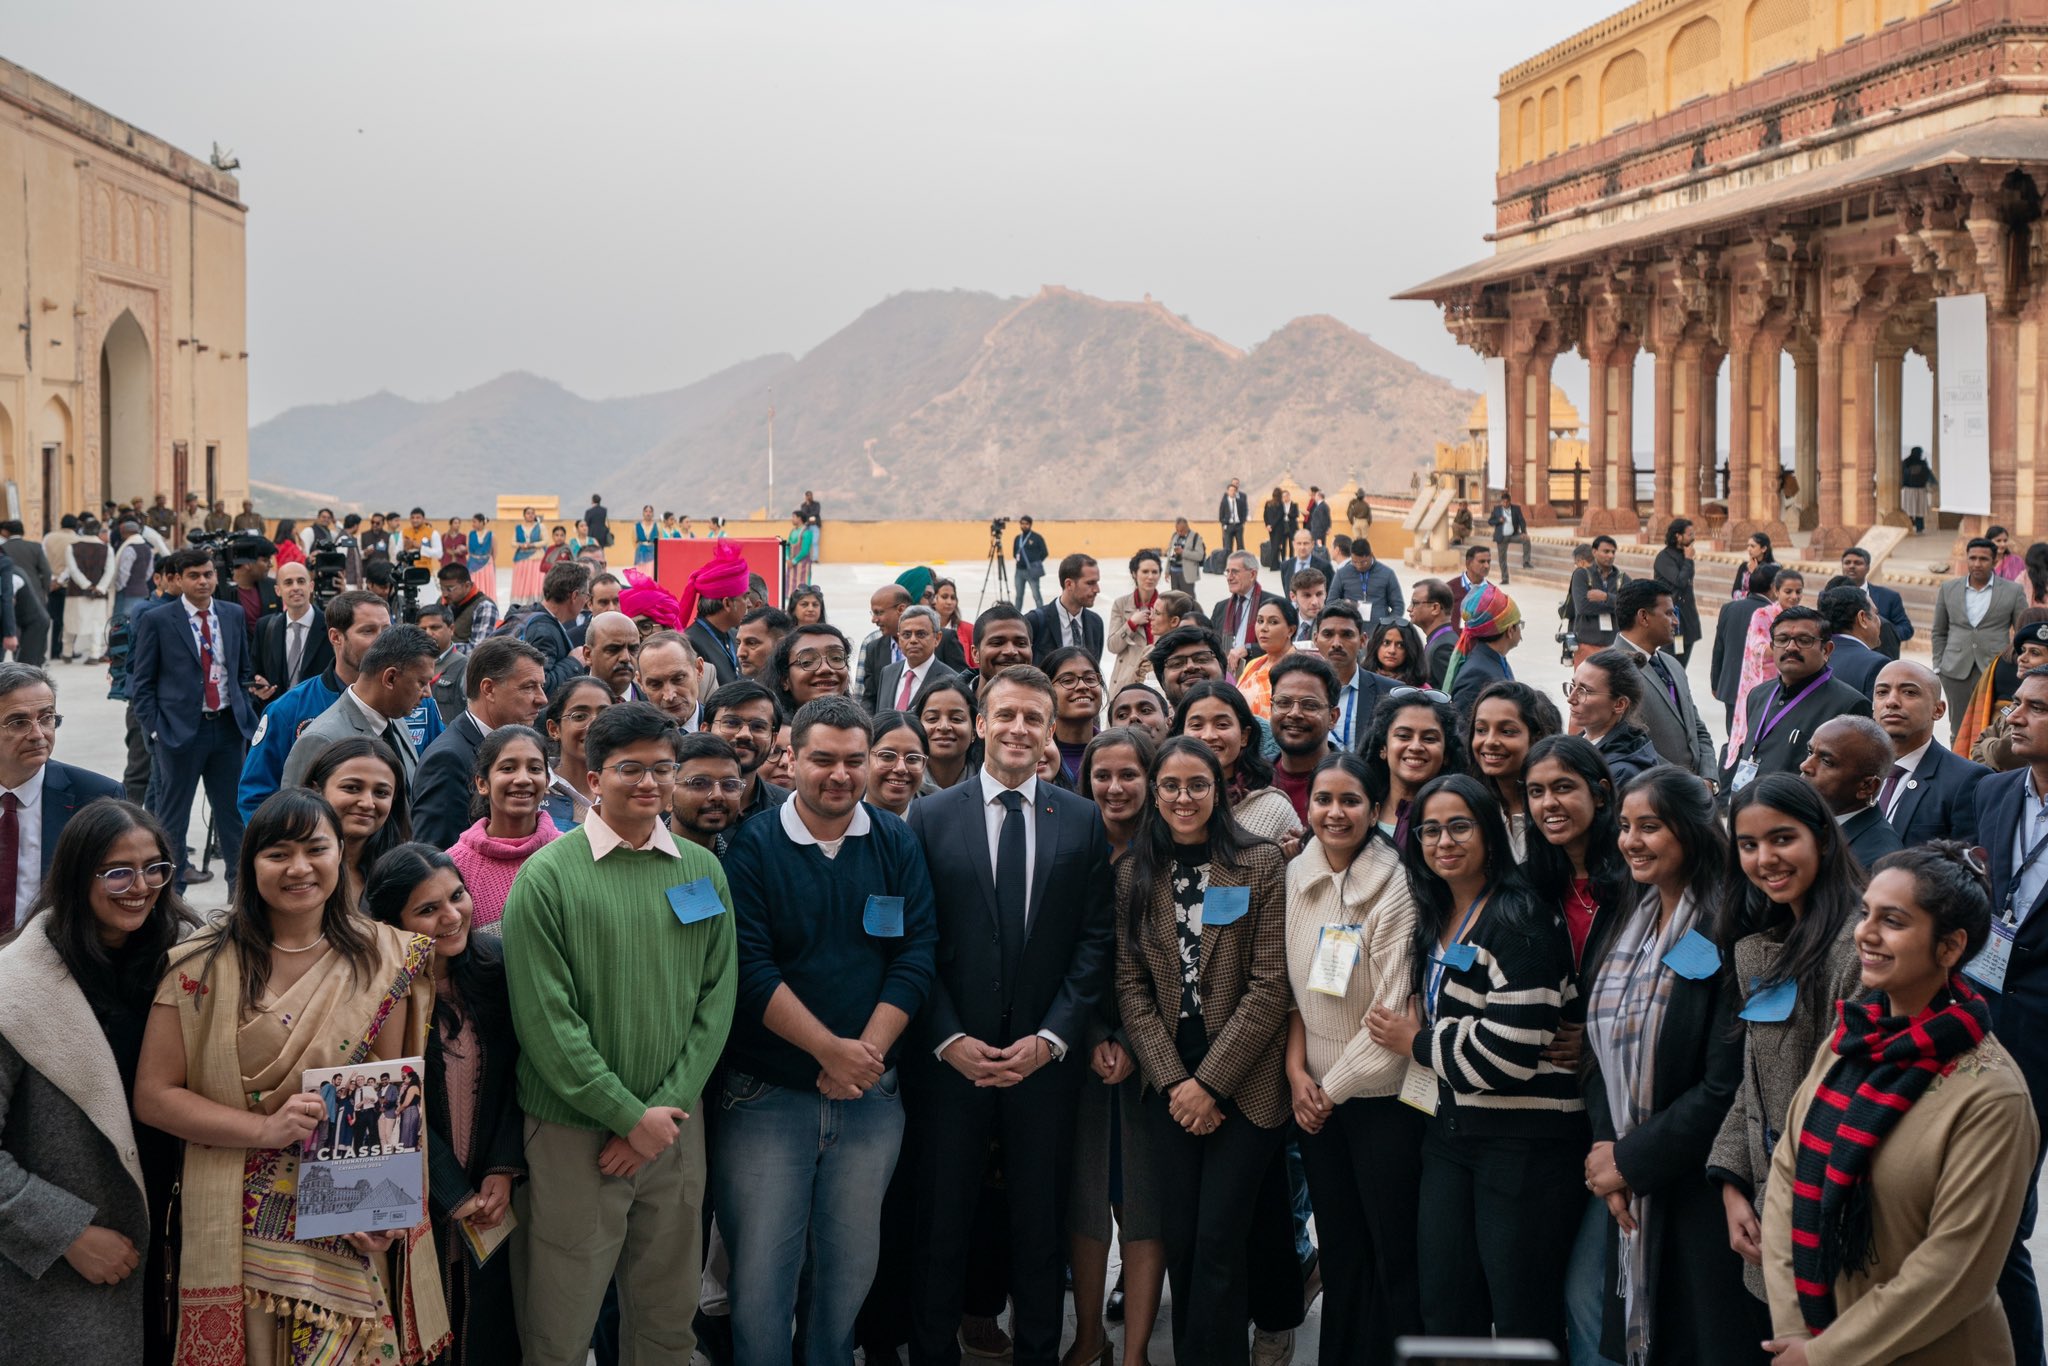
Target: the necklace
(303, 948)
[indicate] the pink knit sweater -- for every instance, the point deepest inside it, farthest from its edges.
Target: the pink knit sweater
(489, 865)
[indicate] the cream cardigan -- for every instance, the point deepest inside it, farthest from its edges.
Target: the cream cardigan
(1372, 892)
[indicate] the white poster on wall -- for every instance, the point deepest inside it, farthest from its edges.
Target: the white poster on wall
(1497, 422)
(1963, 381)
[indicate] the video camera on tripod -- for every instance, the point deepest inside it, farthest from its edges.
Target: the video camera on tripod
(409, 577)
(231, 549)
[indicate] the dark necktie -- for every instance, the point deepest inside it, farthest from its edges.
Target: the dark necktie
(1891, 785)
(1665, 674)
(295, 651)
(1012, 892)
(10, 851)
(1236, 619)
(206, 661)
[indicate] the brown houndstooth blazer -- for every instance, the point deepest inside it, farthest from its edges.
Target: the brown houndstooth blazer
(1245, 990)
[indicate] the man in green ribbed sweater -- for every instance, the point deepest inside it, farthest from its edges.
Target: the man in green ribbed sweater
(619, 952)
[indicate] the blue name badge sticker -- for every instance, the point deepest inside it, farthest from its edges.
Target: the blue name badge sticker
(883, 917)
(1225, 905)
(1694, 957)
(695, 901)
(1772, 1005)
(1459, 957)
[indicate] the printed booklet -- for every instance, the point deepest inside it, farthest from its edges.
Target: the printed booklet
(364, 1169)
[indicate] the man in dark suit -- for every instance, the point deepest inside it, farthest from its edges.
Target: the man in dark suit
(189, 674)
(38, 795)
(1648, 621)
(1854, 623)
(917, 638)
(1027, 553)
(712, 635)
(565, 592)
(1847, 764)
(503, 685)
(879, 649)
(291, 645)
(1784, 716)
(2012, 826)
(1232, 510)
(1891, 609)
(1318, 523)
(1731, 629)
(1674, 565)
(1020, 873)
(595, 521)
(1433, 610)
(1495, 624)
(1235, 614)
(32, 592)
(1067, 619)
(1930, 793)
(1303, 555)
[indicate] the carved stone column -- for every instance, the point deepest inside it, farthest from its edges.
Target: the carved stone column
(1597, 375)
(1828, 428)
(1859, 437)
(1535, 491)
(1707, 427)
(1665, 387)
(1621, 440)
(1891, 392)
(1806, 437)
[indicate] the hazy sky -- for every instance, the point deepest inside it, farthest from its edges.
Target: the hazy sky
(627, 196)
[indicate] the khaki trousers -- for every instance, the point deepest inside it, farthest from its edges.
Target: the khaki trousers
(581, 1227)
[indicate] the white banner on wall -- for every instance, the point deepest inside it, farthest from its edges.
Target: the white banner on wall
(1963, 384)
(1497, 423)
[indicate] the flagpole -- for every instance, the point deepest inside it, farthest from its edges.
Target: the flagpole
(770, 510)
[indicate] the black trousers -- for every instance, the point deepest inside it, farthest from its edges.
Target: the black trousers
(952, 1124)
(2018, 1290)
(1364, 1174)
(1273, 1269)
(214, 758)
(33, 618)
(1208, 1189)
(56, 623)
(1233, 536)
(1498, 1217)
(135, 777)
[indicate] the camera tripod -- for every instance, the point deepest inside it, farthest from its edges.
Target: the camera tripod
(997, 569)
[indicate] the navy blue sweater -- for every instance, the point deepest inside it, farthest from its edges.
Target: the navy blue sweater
(801, 924)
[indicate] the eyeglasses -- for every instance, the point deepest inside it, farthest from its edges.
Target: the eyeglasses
(1575, 690)
(1307, 706)
(727, 722)
(811, 659)
(580, 715)
(1803, 641)
(730, 787)
(121, 881)
(1426, 694)
(632, 772)
(889, 758)
(1073, 681)
(1173, 789)
(1459, 831)
(42, 720)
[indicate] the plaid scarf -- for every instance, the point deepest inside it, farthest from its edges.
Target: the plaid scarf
(1884, 1064)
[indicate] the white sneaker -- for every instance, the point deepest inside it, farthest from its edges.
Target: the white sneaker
(1272, 1349)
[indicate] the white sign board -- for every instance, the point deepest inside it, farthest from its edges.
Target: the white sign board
(1497, 423)
(1961, 339)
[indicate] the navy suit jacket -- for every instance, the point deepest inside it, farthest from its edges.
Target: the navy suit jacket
(1891, 608)
(1869, 838)
(544, 633)
(164, 683)
(65, 789)
(2019, 1014)
(444, 782)
(1939, 800)
(1856, 663)
(1064, 974)
(1482, 666)
(1045, 631)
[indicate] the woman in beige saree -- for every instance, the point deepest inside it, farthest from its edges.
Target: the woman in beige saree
(293, 979)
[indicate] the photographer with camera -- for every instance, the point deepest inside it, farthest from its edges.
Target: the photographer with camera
(1028, 552)
(291, 643)
(471, 611)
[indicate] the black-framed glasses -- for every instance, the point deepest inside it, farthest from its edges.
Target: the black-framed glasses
(811, 659)
(1459, 831)
(1426, 694)
(1194, 789)
(121, 881)
(1802, 641)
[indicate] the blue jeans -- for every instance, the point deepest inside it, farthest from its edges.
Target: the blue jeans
(1585, 1286)
(1029, 581)
(796, 1175)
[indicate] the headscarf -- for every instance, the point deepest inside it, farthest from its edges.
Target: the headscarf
(1488, 614)
(724, 575)
(643, 597)
(917, 582)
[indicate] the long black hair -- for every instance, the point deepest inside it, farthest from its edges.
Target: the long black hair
(289, 814)
(1151, 848)
(1379, 774)
(1254, 770)
(397, 827)
(1139, 742)
(1549, 868)
(73, 930)
(963, 686)
(1834, 900)
(1415, 657)
(477, 973)
(495, 744)
(1508, 898)
(1685, 806)
(1539, 714)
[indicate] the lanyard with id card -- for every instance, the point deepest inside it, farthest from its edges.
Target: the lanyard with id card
(1988, 968)
(1338, 949)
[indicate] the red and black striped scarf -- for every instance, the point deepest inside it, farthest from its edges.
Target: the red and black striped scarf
(1884, 1064)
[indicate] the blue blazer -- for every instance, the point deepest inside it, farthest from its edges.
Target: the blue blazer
(1482, 666)
(1893, 610)
(163, 671)
(1940, 798)
(65, 789)
(2019, 1014)
(1856, 664)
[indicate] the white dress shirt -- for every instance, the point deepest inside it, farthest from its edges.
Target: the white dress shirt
(303, 626)
(2033, 827)
(603, 839)
(1071, 632)
(916, 678)
(220, 673)
(28, 853)
(1976, 602)
(1911, 763)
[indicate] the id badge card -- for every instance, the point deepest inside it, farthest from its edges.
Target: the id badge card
(1418, 1088)
(1987, 969)
(1772, 1005)
(1745, 774)
(882, 917)
(1337, 953)
(695, 901)
(1606, 622)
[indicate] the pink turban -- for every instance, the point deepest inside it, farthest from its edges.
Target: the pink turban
(724, 575)
(643, 597)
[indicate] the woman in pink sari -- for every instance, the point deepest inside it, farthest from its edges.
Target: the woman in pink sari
(1759, 665)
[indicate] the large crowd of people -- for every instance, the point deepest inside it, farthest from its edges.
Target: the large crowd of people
(790, 993)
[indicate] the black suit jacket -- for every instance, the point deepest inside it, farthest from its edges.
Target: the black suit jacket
(1045, 631)
(1869, 837)
(1219, 617)
(34, 564)
(2019, 1014)
(1070, 937)
(440, 806)
(65, 789)
(705, 642)
(1440, 652)
(594, 521)
(1731, 629)
(551, 638)
(270, 653)
(1856, 663)
(875, 656)
(1318, 562)
(1483, 665)
(1784, 749)
(1938, 800)
(164, 685)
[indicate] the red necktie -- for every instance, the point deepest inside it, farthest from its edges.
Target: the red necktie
(10, 851)
(903, 702)
(206, 660)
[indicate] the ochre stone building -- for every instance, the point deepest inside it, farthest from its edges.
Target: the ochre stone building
(121, 262)
(1726, 182)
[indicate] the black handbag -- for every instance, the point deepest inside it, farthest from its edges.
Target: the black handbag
(1269, 554)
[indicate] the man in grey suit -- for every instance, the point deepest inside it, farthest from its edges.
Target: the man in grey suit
(1647, 622)
(397, 674)
(1974, 618)
(32, 596)
(917, 635)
